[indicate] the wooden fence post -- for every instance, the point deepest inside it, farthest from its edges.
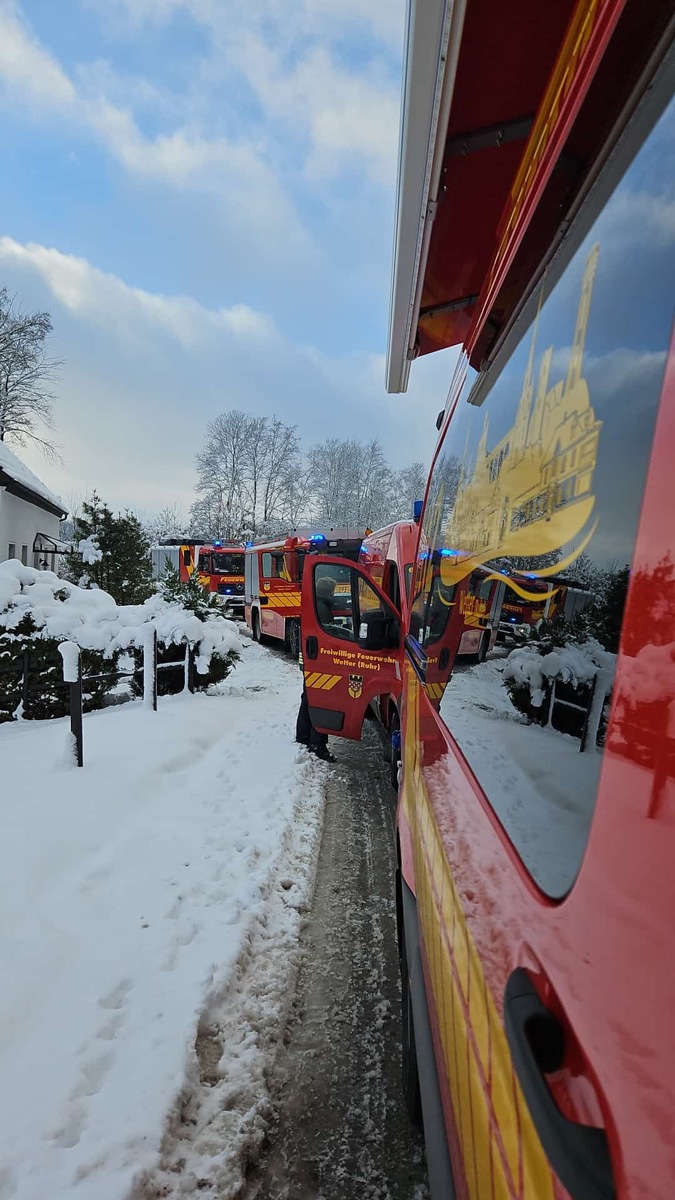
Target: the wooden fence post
(72, 675)
(25, 682)
(150, 668)
(76, 726)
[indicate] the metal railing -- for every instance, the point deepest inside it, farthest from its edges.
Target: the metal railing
(148, 670)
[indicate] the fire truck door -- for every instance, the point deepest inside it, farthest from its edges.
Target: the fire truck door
(351, 644)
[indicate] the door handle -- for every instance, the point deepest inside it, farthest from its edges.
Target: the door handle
(311, 647)
(579, 1154)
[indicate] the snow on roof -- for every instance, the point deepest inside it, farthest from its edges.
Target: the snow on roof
(21, 474)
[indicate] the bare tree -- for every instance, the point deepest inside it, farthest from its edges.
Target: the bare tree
(351, 483)
(169, 523)
(247, 472)
(409, 485)
(26, 371)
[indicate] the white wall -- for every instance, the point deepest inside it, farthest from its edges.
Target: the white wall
(19, 523)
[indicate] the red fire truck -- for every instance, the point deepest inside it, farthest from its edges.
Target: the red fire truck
(220, 569)
(535, 890)
(273, 576)
(527, 602)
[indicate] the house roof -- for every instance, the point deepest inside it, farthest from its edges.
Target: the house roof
(20, 481)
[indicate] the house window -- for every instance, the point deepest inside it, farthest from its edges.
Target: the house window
(24, 555)
(11, 553)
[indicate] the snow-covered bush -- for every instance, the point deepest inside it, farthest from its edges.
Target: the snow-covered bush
(531, 671)
(38, 611)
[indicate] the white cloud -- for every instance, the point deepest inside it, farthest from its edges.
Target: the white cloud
(143, 373)
(350, 117)
(108, 302)
(26, 66)
(296, 67)
(235, 170)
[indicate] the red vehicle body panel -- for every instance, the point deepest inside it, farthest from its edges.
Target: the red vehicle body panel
(539, 478)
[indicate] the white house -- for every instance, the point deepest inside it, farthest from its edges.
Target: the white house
(29, 515)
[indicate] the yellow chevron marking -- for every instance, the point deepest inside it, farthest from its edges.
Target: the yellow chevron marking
(321, 681)
(318, 683)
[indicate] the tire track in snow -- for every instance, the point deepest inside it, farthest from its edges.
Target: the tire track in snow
(224, 1112)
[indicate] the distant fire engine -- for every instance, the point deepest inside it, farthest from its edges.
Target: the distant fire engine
(219, 567)
(273, 576)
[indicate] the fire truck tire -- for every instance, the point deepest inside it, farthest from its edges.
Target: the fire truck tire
(257, 635)
(293, 639)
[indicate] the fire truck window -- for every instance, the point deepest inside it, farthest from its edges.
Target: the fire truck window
(409, 568)
(187, 558)
(540, 482)
(205, 563)
(333, 599)
(393, 588)
(228, 564)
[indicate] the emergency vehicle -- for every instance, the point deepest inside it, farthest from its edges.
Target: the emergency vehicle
(273, 576)
(528, 602)
(535, 892)
(219, 567)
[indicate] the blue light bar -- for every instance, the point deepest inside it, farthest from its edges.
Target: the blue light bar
(418, 505)
(217, 543)
(317, 537)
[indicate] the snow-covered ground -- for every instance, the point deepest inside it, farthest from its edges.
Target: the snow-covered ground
(541, 788)
(150, 906)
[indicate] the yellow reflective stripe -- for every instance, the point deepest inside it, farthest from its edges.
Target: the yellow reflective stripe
(317, 679)
(331, 683)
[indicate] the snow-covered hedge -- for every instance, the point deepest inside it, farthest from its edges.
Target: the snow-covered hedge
(38, 610)
(531, 670)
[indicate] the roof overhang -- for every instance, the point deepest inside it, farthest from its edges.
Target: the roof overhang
(507, 113)
(23, 492)
(433, 36)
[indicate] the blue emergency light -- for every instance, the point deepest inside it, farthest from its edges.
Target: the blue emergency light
(418, 505)
(247, 544)
(317, 537)
(217, 543)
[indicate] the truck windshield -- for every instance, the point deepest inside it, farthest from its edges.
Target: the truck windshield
(228, 564)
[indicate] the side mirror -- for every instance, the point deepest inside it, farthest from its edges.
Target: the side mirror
(379, 631)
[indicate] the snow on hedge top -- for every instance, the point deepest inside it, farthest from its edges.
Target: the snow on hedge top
(20, 473)
(649, 676)
(94, 621)
(570, 663)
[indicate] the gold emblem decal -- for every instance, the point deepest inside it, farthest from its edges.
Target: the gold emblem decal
(355, 686)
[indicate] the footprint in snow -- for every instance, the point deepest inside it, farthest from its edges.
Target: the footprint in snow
(116, 997)
(93, 1073)
(69, 1132)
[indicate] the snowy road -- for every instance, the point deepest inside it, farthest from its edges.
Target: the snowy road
(343, 1131)
(150, 907)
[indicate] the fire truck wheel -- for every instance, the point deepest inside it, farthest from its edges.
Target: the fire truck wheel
(293, 639)
(256, 627)
(411, 1082)
(483, 648)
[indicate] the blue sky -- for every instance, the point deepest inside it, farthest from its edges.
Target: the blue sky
(202, 192)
